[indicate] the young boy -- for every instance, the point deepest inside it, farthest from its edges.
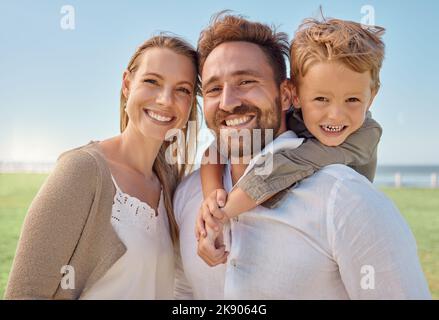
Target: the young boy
(335, 68)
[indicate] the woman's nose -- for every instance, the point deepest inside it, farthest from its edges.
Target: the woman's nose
(164, 97)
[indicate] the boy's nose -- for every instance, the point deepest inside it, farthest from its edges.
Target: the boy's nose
(229, 99)
(335, 112)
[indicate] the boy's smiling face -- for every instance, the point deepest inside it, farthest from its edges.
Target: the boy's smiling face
(334, 101)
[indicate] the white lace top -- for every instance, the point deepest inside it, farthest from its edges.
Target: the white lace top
(146, 270)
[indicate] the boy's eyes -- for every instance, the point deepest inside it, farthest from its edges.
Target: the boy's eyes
(323, 99)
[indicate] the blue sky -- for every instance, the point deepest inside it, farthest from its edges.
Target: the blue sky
(60, 88)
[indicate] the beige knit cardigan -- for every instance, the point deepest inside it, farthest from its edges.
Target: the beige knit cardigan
(68, 224)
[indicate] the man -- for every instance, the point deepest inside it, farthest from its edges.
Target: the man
(335, 237)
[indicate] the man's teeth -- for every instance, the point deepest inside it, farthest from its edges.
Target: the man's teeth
(333, 128)
(237, 121)
(158, 117)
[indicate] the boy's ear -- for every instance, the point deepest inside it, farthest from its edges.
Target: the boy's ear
(285, 95)
(126, 83)
(295, 97)
(374, 93)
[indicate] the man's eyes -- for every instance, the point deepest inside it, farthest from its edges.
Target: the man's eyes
(244, 82)
(353, 99)
(213, 90)
(218, 88)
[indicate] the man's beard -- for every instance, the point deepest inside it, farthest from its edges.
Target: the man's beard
(230, 145)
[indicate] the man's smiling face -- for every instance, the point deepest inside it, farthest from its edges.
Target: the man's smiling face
(240, 91)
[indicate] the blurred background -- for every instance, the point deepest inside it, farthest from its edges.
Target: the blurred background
(61, 65)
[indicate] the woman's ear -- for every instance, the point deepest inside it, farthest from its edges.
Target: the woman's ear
(126, 82)
(285, 95)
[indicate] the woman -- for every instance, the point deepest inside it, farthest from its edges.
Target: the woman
(102, 225)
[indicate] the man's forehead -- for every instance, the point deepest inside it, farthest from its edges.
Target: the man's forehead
(232, 58)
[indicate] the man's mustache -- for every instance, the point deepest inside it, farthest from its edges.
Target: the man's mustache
(221, 115)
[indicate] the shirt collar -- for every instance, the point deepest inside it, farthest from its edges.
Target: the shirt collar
(286, 140)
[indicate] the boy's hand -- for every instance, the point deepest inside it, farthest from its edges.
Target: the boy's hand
(210, 213)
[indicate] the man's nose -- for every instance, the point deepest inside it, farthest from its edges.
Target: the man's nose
(229, 98)
(164, 97)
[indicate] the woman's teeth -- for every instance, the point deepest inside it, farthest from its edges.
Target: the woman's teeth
(333, 128)
(237, 121)
(158, 117)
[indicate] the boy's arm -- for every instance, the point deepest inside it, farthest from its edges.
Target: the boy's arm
(211, 174)
(293, 165)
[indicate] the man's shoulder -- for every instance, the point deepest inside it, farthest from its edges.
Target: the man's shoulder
(341, 173)
(189, 188)
(337, 185)
(192, 182)
(350, 193)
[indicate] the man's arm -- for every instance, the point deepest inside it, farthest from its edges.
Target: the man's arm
(372, 244)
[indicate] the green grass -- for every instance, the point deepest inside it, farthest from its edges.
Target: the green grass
(16, 193)
(420, 207)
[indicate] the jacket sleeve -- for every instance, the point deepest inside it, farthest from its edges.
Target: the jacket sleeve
(292, 165)
(53, 227)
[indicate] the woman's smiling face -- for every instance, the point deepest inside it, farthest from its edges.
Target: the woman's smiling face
(159, 92)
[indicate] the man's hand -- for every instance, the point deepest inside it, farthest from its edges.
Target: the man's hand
(211, 248)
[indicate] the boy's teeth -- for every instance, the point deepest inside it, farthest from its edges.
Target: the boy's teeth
(332, 128)
(158, 117)
(237, 121)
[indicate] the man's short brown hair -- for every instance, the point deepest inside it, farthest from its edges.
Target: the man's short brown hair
(357, 46)
(225, 27)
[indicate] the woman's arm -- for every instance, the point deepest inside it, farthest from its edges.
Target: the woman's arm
(53, 227)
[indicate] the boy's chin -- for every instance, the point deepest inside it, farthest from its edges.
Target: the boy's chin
(332, 142)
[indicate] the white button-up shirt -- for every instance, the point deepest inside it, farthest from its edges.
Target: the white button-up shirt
(334, 236)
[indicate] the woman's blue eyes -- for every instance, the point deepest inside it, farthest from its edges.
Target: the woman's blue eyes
(155, 82)
(152, 81)
(321, 99)
(184, 90)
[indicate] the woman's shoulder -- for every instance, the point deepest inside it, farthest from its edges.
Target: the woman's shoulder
(84, 158)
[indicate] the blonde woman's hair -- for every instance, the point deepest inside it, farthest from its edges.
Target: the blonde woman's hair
(358, 47)
(169, 174)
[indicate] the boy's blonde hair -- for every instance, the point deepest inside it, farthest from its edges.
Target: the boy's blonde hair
(357, 46)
